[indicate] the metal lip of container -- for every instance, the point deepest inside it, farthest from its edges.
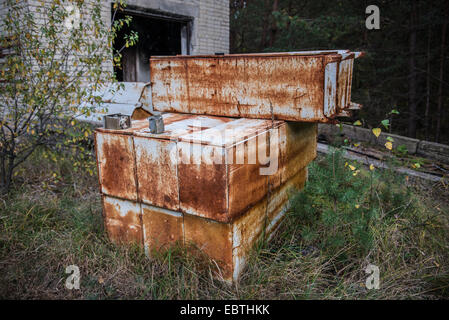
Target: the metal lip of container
(117, 121)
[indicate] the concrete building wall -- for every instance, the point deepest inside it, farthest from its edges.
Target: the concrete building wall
(210, 25)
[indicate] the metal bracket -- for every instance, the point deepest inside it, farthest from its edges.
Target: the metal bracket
(117, 121)
(156, 124)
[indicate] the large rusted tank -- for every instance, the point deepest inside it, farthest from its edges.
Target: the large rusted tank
(310, 86)
(219, 171)
(218, 182)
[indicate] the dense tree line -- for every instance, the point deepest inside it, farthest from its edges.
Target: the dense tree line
(405, 67)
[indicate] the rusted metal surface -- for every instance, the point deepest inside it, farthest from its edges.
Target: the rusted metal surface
(344, 83)
(300, 86)
(262, 220)
(298, 142)
(161, 228)
(122, 220)
(210, 175)
(116, 165)
(213, 238)
(229, 243)
(217, 199)
(222, 192)
(203, 165)
(202, 186)
(156, 172)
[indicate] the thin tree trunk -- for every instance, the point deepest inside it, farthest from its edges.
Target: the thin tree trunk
(426, 115)
(266, 23)
(3, 173)
(412, 74)
(440, 85)
(274, 28)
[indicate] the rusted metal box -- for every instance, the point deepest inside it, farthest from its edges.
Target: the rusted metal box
(312, 86)
(201, 175)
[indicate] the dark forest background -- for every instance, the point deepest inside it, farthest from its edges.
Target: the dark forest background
(406, 62)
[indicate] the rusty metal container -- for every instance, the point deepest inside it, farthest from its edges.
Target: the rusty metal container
(311, 86)
(218, 182)
(227, 243)
(208, 166)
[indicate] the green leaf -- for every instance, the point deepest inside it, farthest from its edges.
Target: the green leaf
(385, 123)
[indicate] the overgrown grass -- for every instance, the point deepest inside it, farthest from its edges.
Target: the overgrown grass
(338, 225)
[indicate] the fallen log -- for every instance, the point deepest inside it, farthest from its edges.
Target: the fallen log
(367, 160)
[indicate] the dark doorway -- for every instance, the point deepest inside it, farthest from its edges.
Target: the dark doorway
(159, 34)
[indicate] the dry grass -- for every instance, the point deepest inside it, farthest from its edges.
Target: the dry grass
(48, 224)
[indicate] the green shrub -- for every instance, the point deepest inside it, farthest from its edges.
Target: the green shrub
(342, 205)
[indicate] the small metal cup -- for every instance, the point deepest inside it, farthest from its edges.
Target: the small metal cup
(156, 124)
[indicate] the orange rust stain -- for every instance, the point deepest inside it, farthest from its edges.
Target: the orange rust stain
(213, 238)
(161, 229)
(246, 185)
(246, 86)
(122, 229)
(156, 173)
(140, 114)
(202, 190)
(117, 167)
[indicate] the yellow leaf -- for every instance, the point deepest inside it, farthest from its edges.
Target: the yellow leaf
(358, 123)
(356, 144)
(371, 167)
(357, 206)
(388, 145)
(351, 167)
(346, 164)
(377, 131)
(355, 172)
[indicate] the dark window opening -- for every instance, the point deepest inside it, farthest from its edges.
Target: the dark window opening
(159, 35)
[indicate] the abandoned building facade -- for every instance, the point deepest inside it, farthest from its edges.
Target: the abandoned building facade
(164, 27)
(170, 27)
